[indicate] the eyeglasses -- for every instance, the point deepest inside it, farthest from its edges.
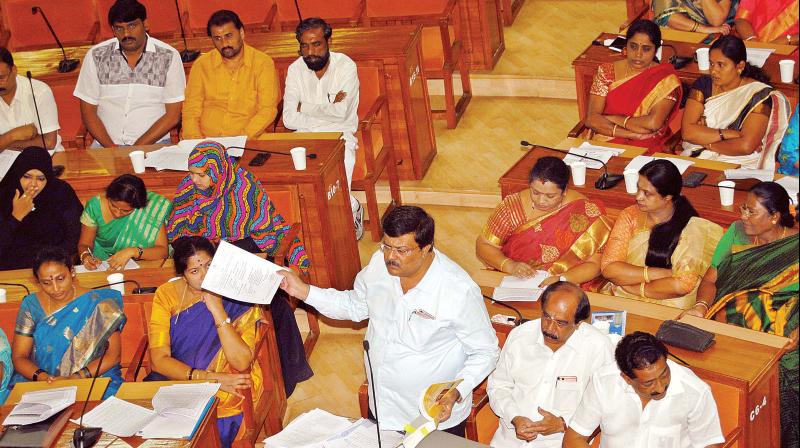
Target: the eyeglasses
(400, 251)
(559, 323)
(747, 212)
(120, 210)
(131, 27)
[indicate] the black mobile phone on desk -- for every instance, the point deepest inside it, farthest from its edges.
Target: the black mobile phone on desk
(694, 179)
(260, 159)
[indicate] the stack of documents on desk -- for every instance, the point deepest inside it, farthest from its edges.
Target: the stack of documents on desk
(639, 161)
(749, 173)
(81, 269)
(177, 412)
(40, 405)
(515, 289)
(321, 429)
(603, 153)
(759, 56)
(176, 157)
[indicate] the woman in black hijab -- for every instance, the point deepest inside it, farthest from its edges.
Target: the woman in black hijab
(36, 210)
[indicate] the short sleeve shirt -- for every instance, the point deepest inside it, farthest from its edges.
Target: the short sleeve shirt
(22, 109)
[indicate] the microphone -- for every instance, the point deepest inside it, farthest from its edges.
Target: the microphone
(604, 182)
(27, 291)
(65, 65)
(88, 437)
(36, 108)
(187, 55)
(374, 397)
(310, 156)
(137, 290)
(519, 321)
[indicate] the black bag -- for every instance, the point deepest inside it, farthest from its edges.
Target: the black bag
(683, 335)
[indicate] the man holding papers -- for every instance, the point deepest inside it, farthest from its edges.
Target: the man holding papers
(427, 322)
(544, 368)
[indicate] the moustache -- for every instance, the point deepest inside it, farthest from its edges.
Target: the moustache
(392, 264)
(227, 48)
(128, 39)
(550, 335)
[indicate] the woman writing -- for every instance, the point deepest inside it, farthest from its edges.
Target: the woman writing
(697, 16)
(659, 248)
(36, 210)
(547, 227)
(734, 115)
(125, 223)
(753, 283)
(63, 329)
(195, 334)
(632, 101)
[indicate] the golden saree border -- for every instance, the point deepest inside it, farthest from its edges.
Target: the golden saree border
(515, 211)
(589, 243)
(176, 305)
(661, 91)
(98, 328)
(780, 24)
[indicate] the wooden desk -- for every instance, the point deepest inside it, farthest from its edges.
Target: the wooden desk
(398, 54)
(483, 32)
(741, 367)
(320, 193)
(704, 198)
(207, 434)
(587, 62)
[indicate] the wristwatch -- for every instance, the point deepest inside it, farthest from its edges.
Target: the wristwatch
(141, 251)
(223, 323)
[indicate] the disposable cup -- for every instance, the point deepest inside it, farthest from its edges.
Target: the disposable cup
(726, 192)
(114, 278)
(299, 157)
(578, 173)
(2, 296)
(137, 160)
(631, 181)
(787, 70)
(702, 59)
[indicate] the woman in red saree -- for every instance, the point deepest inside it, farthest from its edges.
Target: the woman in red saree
(773, 21)
(546, 227)
(632, 101)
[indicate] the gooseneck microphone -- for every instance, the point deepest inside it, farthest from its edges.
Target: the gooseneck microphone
(36, 108)
(374, 397)
(65, 65)
(310, 156)
(137, 290)
(519, 321)
(27, 291)
(88, 437)
(604, 182)
(187, 55)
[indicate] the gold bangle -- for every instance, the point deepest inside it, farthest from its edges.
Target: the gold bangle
(646, 275)
(614, 130)
(641, 291)
(503, 264)
(625, 122)
(695, 26)
(700, 302)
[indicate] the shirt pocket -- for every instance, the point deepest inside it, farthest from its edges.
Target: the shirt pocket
(419, 332)
(664, 437)
(566, 396)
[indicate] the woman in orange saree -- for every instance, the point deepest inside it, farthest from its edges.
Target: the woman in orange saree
(773, 21)
(546, 228)
(632, 101)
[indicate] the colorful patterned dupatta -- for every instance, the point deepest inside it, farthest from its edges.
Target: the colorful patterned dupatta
(771, 19)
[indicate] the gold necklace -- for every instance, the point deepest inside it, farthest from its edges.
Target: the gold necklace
(783, 235)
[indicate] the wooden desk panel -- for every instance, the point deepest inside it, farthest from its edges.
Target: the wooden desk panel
(587, 62)
(399, 50)
(483, 35)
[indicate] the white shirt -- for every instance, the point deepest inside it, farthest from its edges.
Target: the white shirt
(22, 111)
(437, 331)
(686, 417)
(130, 101)
(530, 375)
(318, 112)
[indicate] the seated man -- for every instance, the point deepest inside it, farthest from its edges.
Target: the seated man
(131, 86)
(544, 368)
(231, 91)
(427, 322)
(645, 401)
(19, 125)
(322, 95)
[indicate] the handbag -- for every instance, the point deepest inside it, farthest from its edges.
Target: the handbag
(685, 336)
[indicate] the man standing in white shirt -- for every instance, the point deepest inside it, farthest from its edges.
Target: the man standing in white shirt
(19, 127)
(427, 322)
(544, 368)
(645, 401)
(130, 86)
(321, 95)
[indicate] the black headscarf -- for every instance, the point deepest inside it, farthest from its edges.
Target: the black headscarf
(55, 220)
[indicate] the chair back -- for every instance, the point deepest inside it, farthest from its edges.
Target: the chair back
(371, 86)
(83, 384)
(69, 109)
(329, 10)
(251, 12)
(162, 17)
(133, 338)
(405, 8)
(72, 21)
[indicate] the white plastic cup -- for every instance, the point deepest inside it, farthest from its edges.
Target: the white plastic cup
(702, 59)
(658, 54)
(137, 160)
(603, 325)
(787, 70)
(726, 192)
(578, 173)
(631, 181)
(114, 278)
(2, 296)
(298, 157)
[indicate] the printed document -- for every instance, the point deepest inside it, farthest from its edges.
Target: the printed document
(81, 269)
(240, 275)
(603, 153)
(638, 162)
(40, 405)
(517, 289)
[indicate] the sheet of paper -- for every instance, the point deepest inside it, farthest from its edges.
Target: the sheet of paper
(310, 429)
(37, 406)
(363, 435)
(792, 186)
(179, 408)
(638, 162)
(759, 56)
(224, 141)
(748, 173)
(81, 269)
(118, 417)
(595, 152)
(242, 276)
(510, 281)
(7, 159)
(168, 158)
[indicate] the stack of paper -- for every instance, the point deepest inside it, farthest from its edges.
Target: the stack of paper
(603, 153)
(176, 157)
(748, 173)
(81, 269)
(362, 434)
(638, 162)
(38, 406)
(759, 56)
(310, 429)
(515, 289)
(242, 276)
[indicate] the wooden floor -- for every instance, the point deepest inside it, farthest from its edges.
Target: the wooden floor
(470, 160)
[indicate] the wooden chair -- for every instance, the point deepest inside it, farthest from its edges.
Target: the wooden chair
(133, 338)
(510, 10)
(376, 152)
(637, 9)
(83, 385)
(256, 15)
(74, 21)
(341, 13)
(162, 18)
(69, 112)
(441, 44)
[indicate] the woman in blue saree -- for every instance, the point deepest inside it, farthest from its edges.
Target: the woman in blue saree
(62, 330)
(6, 366)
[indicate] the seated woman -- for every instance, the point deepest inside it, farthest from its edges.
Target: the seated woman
(700, 16)
(195, 334)
(632, 101)
(219, 200)
(753, 283)
(659, 248)
(546, 228)
(36, 210)
(127, 222)
(773, 21)
(62, 330)
(733, 115)
(788, 162)
(6, 366)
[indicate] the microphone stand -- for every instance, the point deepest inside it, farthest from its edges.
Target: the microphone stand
(604, 182)
(27, 291)
(88, 437)
(36, 108)
(519, 321)
(137, 290)
(374, 397)
(310, 156)
(65, 65)
(187, 55)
